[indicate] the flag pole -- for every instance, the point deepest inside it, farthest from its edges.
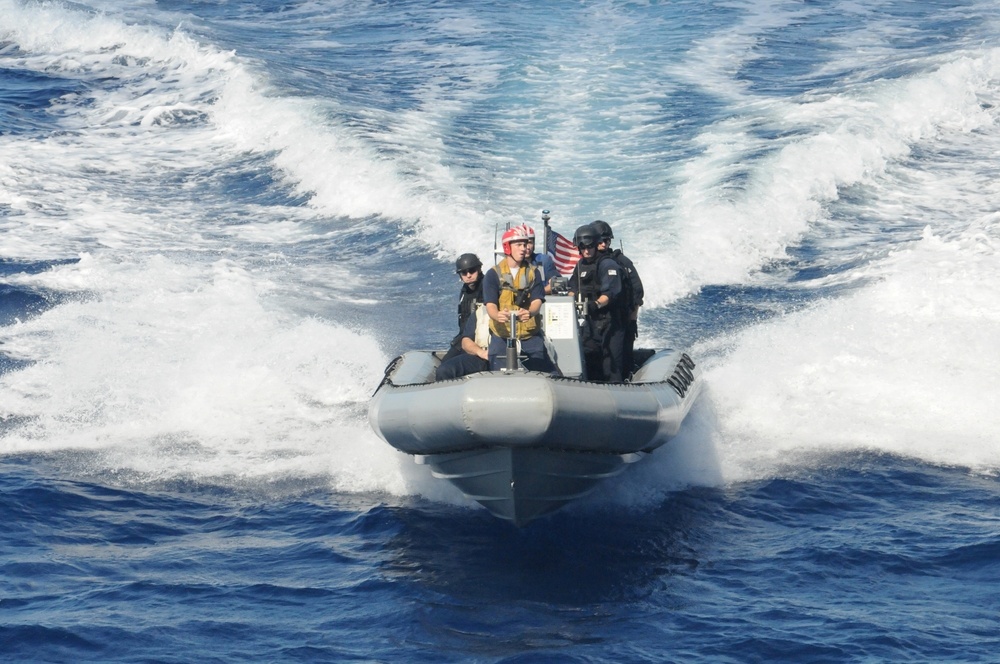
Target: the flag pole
(545, 228)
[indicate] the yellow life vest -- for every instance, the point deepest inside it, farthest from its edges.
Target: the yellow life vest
(512, 286)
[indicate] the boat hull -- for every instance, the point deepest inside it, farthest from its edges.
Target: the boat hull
(521, 443)
(521, 484)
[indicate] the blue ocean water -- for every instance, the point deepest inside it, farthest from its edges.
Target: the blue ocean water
(219, 221)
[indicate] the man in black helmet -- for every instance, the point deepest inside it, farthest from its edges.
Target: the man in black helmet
(474, 342)
(632, 293)
(597, 280)
(470, 270)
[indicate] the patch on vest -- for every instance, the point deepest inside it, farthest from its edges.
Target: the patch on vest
(613, 272)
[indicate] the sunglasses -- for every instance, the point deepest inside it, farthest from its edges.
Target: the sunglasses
(466, 273)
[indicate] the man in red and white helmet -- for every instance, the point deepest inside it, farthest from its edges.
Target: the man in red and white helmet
(514, 289)
(544, 262)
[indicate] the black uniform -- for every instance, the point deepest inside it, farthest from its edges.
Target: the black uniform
(464, 363)
(603, 332)
(470, 296)
(632, 285)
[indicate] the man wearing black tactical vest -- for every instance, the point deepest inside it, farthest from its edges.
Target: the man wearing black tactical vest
(632, 294)
(469, 269)
(597, 279)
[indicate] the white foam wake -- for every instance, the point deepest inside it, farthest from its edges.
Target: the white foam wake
(852, 138)
(193, 379)
(905, 366)
(168, 79)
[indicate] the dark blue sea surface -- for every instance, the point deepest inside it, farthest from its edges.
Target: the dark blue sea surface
(868, 558)
(220, 221)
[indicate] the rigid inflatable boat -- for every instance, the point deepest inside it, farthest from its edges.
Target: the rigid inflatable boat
(525, 443)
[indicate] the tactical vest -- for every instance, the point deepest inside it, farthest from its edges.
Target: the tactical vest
(515, 288)
(587, 280)
(467, 303)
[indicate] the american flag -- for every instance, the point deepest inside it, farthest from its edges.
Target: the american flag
(563, 251)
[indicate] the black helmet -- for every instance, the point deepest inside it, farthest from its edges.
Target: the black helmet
(586, 236)
(604, 229)
(468, 262)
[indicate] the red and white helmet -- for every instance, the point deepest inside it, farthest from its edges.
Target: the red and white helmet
(520, 233)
